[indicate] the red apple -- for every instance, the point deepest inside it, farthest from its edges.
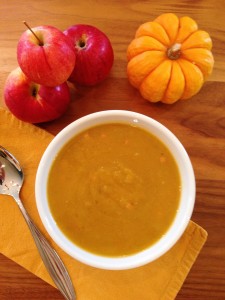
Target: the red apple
(34, 103)
(48, 61)
(94, 54)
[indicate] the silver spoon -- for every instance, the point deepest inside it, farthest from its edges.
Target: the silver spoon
(11, 180)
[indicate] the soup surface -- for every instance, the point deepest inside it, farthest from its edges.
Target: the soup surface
(114, 189)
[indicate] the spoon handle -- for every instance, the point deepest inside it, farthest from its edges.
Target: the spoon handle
(51, 259)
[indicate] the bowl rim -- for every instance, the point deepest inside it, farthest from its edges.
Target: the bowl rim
(182, 217)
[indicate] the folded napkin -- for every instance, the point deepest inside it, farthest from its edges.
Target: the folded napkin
(160, 279)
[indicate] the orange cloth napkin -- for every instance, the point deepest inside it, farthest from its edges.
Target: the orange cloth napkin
(160, 279)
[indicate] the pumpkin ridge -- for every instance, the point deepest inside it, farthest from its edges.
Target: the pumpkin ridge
(168, 83)
(146, 51)
(181, 23)
(131, 54)
(174, 42)
(142, 31)
(191, 61)
(176, 85)
(204, 45)
(181, 42)
(151, 72)
(195, 48)
(165, 33)
(154, 80)
(197, 65)
(185, 80)
(188, 38)
(155, 64)
(166, 29)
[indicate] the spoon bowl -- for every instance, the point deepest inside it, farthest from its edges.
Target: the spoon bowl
(11, 174)
(11, 181)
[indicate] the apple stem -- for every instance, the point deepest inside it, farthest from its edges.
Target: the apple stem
(40, 42)
(82, 41)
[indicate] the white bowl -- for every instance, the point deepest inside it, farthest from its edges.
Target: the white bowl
(186, 202)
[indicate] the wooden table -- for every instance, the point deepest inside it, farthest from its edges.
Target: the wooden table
(199, 122)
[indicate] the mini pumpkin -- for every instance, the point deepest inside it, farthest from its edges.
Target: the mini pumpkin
(169, 59)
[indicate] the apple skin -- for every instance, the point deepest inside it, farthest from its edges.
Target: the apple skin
(94, 54)
(34, 103)
(49, 64)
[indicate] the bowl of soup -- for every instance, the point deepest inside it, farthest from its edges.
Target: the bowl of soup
(115, 189)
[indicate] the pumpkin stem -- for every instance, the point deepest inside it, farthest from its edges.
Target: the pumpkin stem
(174, 51)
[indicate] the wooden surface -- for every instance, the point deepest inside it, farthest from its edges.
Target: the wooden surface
(199, 122)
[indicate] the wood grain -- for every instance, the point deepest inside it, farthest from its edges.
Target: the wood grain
(199, 122)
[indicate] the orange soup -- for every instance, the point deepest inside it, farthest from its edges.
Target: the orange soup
(114, 189)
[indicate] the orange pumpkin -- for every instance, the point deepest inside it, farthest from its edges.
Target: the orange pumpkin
(169, 59)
